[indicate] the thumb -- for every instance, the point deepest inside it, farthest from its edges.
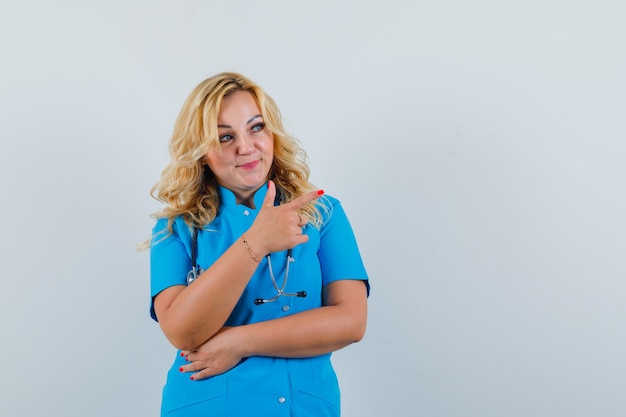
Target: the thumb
(270, 195)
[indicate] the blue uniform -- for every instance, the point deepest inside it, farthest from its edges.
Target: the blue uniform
(259, 386)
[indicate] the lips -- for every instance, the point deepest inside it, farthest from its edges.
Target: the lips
(249, 165)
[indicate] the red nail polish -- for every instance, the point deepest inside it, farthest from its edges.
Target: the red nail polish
(181, 369)
(191, 377)
(182, 354)
(320, 192)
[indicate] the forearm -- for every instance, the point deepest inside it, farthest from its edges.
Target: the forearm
(309, 333)
(312, 333)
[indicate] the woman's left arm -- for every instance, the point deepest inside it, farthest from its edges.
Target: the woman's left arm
(338, 323)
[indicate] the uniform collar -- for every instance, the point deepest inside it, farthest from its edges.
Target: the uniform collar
(228, 198)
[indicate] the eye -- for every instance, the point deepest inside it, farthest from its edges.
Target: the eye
(225, 138)
(258, 127)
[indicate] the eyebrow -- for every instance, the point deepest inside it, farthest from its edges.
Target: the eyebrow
(247, 121)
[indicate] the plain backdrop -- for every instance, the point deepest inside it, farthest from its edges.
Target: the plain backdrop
(479, 149)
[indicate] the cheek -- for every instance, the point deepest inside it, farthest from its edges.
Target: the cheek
(269, 145)
(215, 159)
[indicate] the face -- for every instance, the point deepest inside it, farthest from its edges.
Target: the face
(247, 148)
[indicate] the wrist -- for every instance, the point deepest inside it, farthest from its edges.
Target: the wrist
(254, 254)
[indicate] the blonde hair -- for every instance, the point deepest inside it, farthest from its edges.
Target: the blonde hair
(188, 187)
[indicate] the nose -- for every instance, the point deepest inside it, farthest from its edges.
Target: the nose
(246, 144)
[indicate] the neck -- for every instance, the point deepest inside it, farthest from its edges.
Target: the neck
(248, 202)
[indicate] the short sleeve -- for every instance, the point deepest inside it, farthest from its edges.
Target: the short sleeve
(170, 259)
(338, 252)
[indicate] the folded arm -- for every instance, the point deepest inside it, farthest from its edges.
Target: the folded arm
(340, 322)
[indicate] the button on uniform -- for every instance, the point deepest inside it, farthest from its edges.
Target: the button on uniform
(285, 308)
(246, 213)
(282, 400)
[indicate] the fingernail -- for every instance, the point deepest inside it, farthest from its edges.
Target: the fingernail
(320, 192)
(191, 377)
(181, 369)
(182, 353)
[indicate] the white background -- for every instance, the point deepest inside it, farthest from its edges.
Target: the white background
(479, 148)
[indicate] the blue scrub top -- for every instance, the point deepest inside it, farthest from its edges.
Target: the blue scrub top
(260, 386)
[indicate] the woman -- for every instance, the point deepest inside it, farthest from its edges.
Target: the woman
(276, 282)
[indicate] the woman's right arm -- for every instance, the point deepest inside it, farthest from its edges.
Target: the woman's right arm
(190, 315)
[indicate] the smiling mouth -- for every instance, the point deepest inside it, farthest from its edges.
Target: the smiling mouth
(249, 165)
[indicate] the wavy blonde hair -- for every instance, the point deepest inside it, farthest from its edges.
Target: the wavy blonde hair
(188, 187)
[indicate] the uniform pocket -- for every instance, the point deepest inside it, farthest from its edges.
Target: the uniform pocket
(316, 399)
(206, 397)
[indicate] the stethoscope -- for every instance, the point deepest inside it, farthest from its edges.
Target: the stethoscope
(195, 271)
(280, 291)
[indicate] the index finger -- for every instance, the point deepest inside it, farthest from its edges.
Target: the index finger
(306, 198)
